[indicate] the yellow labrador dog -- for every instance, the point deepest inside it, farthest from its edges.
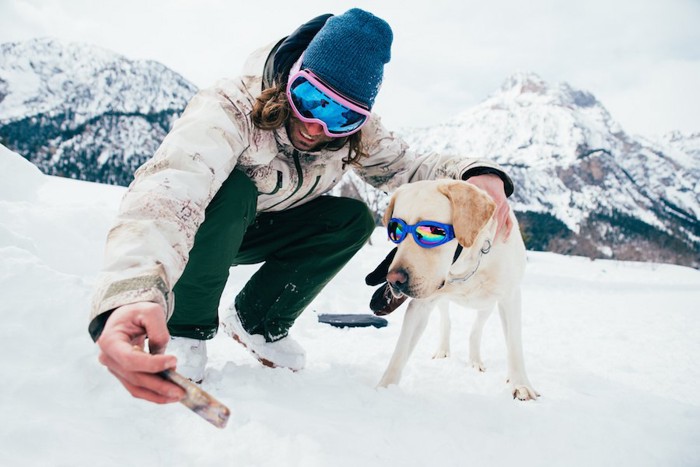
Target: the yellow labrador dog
(447, 252)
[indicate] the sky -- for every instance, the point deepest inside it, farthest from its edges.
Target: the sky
(640, 58)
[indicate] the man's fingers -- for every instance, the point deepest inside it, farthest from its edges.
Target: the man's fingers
(509, 227)
(128, 360)
(493, 185)
(149, 384)
(132, 357)
(505, 224)
(156, 330)
(168, 396)
(122, 342)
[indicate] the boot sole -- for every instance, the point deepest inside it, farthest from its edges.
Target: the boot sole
(264, 361)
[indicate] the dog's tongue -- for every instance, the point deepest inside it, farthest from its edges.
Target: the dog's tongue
(384, 302)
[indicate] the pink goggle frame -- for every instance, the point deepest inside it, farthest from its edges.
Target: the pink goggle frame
(334, 109)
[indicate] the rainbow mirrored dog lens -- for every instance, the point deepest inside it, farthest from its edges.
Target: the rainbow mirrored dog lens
(427, 234)
(311, 101)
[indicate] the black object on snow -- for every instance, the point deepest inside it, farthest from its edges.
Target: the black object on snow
(352, 320)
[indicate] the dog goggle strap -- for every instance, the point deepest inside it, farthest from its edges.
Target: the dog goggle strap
(427, 234)
(313, 102)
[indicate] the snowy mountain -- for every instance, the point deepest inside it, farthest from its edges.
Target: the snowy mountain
(79, 111)
(583, 185)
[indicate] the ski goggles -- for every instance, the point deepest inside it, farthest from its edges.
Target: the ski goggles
(314, 102)
(427, 234)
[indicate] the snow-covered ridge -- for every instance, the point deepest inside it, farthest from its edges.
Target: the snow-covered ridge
(527, 122)
(83, 112)
(570, 159)
(47, 76)
(583, 185)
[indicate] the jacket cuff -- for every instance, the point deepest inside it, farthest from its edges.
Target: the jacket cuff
(98, 324)
(507, 182)
(126, 292)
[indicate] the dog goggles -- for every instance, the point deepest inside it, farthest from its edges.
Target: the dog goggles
(427, 234)
(314, 102)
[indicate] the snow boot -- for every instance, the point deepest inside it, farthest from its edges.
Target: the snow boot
(283, 353)
(191, 357)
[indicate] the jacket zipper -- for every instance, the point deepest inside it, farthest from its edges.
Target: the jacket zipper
(318, 179)
(279, 185)
(297, 166)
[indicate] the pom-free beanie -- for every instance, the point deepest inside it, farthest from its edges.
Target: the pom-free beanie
(349, 54)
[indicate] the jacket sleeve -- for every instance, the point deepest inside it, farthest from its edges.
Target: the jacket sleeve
(149, 244)
(392, 163)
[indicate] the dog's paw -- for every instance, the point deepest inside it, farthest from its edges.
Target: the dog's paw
(384, 384)
(389, 378)
(478, 366)
(441, 353)
(524, 393)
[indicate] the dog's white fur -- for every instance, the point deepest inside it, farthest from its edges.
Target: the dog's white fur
(478, 280)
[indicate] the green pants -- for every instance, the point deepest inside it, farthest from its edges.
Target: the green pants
(302, 248)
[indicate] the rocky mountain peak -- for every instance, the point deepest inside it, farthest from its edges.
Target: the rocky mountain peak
(524, 82)
(81, 111)
(48, 76)
(528, 87)
(604, 192)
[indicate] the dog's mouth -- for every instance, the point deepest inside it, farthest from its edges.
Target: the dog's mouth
(395, 292)
(402, 283)
(410, 292)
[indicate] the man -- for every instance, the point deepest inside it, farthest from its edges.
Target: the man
(239, 180)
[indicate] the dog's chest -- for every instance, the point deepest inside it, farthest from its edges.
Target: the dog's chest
(483, 284)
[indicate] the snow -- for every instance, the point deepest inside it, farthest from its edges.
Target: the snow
(611, 346)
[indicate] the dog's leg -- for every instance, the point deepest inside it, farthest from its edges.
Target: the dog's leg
(475, 337)
(414, 322)
(510, 310)
(443, 350)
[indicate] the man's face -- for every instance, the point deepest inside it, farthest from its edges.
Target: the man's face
(306, 136)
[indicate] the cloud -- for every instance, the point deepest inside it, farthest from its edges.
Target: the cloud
(447, 55)
(660, 100)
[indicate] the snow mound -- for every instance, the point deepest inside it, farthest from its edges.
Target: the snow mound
(19, 178)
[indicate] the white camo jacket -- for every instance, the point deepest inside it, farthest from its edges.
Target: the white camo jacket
(148, 246)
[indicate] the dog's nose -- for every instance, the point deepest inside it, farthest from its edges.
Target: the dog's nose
(398, 279)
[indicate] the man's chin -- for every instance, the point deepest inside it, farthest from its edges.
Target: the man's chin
(306, 146)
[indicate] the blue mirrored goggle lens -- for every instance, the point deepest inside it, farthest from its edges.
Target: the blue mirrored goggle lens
(426, 233)
(430, 234)
(313, 103)
(396, 230)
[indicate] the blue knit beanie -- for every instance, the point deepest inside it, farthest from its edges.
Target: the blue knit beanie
(349, 54)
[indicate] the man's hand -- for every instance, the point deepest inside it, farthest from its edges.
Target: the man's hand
(122, 342)
(493, 185)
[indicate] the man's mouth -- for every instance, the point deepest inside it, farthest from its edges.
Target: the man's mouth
(306, 138)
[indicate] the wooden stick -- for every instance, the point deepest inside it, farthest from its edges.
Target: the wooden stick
(199, 401)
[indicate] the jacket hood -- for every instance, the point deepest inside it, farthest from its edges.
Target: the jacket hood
(288, 50)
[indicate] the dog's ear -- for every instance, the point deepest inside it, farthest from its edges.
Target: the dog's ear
(389, 210)
(472, 208)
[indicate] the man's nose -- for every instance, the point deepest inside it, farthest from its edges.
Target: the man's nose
(313, 129)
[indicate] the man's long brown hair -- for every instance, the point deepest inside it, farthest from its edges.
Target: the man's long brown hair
(271, 111)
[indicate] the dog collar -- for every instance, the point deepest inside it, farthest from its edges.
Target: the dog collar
(458, 252)
(485, 249)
